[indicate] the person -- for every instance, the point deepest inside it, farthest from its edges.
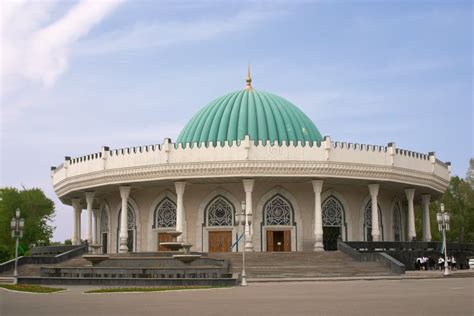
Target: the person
(449, 262)
(418, 263)
(453, 263)
(431, 263)
(425, 263)
(440, 263)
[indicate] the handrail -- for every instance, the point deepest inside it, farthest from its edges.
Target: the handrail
(388, 261)
(44, 259)
(236, 242)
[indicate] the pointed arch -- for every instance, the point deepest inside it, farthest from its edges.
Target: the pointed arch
(133, 226)
(347, 227)
(164, 216)
(278, 211)
(215, 198)
(153, 228)
(333, 212)
(334, 225)
(219, 212)
(397, 222)
(367, 227)
(104, 228)
(295, 227)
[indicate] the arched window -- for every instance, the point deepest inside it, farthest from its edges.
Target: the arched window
(333, 212)
(104, 229)
(333, 222)
(165, 214)
(220, 212)
(104, 221)
(278, 211)
(131, 228)
(368, 222)
(397, 223)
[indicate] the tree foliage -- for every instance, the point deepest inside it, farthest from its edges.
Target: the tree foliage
(37, 210)
(459, 203)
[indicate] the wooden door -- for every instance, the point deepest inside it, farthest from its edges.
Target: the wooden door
(220, 241)
(164, 237)
(269, 240)
(287, 240)
(278, 240)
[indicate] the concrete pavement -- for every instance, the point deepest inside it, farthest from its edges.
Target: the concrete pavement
(454, 296)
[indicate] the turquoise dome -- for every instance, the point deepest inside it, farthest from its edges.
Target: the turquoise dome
(261, 115)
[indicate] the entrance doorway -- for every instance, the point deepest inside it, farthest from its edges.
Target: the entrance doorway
(164, 237)
(104, 242)
(278, 240)
(130, 240)
(330, 236)
(220, 241)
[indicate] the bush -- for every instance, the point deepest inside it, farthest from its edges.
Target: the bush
(5, 254)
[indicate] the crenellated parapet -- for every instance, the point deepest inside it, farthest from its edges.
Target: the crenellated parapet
(249, 158)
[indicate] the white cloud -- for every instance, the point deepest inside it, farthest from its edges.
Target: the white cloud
(38, 52)
(161, 34)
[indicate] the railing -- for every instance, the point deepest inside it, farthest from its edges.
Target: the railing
(406, 252)
(388, 261)
(382, 246)
(44, 259)
(50, 250)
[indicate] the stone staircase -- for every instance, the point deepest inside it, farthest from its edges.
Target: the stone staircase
(265, 265)
(34, 269)
(275, 265)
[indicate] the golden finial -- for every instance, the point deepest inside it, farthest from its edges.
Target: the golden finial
(248, 86)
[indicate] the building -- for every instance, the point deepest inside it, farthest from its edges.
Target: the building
(302, 191)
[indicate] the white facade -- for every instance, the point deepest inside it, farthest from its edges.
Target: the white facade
(300, 188)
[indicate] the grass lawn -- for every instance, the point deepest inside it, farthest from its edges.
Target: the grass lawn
(30, 288)
(151, 289)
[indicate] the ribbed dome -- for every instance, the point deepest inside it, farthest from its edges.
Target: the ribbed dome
(262, 115)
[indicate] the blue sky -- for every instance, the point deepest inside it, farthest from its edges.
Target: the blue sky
(77, 75)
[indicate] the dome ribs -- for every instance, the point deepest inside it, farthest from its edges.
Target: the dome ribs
(266, 118)
(194, 130)
(280, 126)
(242, 123)
(269, 117)
(231, 115)
(205, 135)
(252, 127)
(220, 121)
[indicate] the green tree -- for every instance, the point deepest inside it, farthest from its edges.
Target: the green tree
(37, 210)
(459, 202)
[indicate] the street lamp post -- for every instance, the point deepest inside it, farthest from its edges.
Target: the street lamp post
(17, 224)
(242, 219)
(443, 225)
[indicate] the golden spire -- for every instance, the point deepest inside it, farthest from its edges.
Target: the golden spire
(248, 86)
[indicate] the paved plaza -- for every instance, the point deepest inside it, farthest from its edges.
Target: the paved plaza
(382, 297)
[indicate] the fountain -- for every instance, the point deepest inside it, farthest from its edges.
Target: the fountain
(186, 256)
(94, 257)
(158, 268)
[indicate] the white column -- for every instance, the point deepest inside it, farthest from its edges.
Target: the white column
(180, 186)
(79, 226)
(374, 191)
(318, 216)
(89, 201)
(425, 199)
(248, 188)
(95, 214)
(76, 208)
(124, 193)
(410, 193)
